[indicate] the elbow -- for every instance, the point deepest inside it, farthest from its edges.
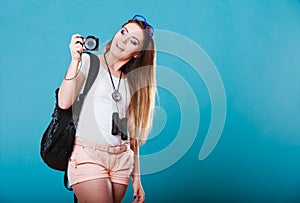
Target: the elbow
(64, 105)
(63, 102)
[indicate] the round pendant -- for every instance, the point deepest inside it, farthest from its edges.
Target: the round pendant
(116, 96)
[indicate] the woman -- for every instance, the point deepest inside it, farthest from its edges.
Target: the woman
(102, 163)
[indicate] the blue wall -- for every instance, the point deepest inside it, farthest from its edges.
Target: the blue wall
(254, 46)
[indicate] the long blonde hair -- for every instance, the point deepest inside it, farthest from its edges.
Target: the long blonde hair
(141, 77)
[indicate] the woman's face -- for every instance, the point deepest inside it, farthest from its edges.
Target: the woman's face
(127, 41)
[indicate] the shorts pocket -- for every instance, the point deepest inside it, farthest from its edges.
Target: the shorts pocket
(126, 161)
(84, 155)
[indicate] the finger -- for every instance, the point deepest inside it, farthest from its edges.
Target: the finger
(76, 56)
(141, 200)
(78, 50)
(76, 47)
(135, 201)
(135, 193)
(141, 196)
(135, 197)
(76, 38)
(77, 41)
(141, 193)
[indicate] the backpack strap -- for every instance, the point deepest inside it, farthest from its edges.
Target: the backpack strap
(75, 199)
(68, 187)
(93, 72)
(92, 75)
(77, 106)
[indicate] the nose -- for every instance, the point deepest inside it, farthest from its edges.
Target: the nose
(124, 39)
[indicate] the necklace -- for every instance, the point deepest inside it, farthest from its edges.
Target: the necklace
(116, 95)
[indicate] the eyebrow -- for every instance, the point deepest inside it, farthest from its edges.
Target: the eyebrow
(132, 36)
(125, 29)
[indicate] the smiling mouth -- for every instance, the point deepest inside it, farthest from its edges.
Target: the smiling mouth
(120, 46)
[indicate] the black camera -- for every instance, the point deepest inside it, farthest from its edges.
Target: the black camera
(91, 43)
(119, 126)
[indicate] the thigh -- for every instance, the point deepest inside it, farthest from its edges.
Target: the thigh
(84, 165)
(118, 192)
(122, 168)
(94, 191)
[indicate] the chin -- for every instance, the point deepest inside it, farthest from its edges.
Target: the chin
(120, 55)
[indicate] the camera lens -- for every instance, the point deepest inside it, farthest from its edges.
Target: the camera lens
(91, 43)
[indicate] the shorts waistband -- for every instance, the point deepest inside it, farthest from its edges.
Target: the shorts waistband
(96, 146)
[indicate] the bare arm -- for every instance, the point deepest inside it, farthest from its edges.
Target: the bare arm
(69, 89)
(138, 191)
(135, 148)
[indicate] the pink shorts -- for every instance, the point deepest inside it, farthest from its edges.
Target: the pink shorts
(91, 161)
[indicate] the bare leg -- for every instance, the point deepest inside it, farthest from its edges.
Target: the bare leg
(94, 191)
(118, 192)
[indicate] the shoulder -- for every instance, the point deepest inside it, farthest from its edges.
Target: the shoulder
(101, 59)
(102, 62)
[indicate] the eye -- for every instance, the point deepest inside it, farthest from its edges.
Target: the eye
(123, 31)
(134, 41)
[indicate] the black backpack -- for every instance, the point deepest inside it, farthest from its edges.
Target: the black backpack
(58, 139)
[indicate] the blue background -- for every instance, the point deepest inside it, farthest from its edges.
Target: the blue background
(255, 46)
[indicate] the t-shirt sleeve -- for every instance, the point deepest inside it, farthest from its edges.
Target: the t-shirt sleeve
(85, 64)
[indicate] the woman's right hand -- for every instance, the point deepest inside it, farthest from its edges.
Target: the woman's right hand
(76, 47)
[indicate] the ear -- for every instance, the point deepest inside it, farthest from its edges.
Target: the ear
(136, 55)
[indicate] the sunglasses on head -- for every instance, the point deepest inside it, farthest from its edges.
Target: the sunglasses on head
(149, 29)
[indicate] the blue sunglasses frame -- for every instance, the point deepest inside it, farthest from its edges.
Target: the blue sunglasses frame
(146, 25)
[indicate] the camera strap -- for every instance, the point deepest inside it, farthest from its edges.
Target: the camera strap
(116, 95)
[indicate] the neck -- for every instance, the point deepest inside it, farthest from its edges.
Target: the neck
(114, 63)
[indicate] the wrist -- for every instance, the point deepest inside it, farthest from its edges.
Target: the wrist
(136, 177)
(75, 61)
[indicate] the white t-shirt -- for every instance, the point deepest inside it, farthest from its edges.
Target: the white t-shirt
(95, 120)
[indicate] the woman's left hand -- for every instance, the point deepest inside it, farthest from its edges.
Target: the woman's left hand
(138, 191)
